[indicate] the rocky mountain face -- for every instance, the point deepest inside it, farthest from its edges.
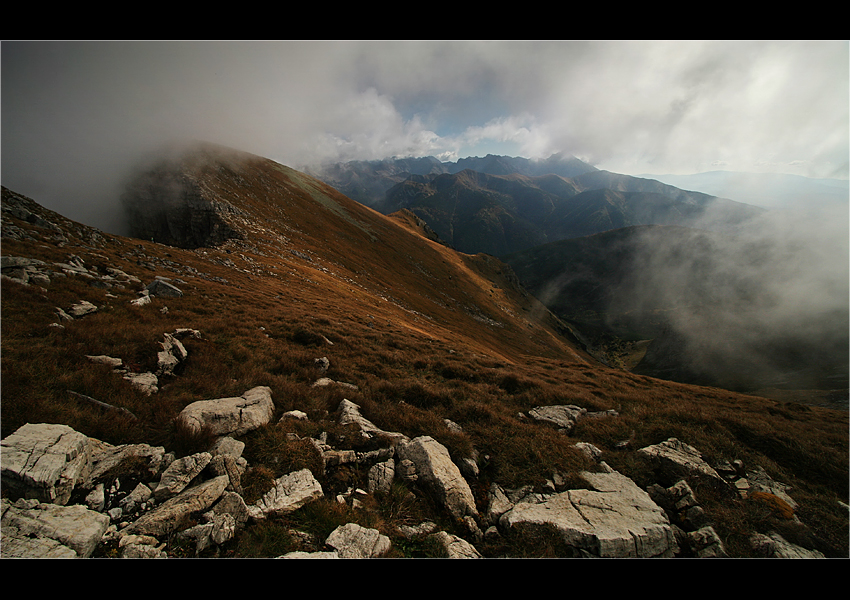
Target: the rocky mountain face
(303, 376)
(499, 215)
(368, 181)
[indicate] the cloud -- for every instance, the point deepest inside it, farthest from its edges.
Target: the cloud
(74, 114)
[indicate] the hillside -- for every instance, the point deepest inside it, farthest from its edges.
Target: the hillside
(283, 281)
(502, 214)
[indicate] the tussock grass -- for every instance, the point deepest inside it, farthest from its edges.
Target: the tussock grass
(415, 362)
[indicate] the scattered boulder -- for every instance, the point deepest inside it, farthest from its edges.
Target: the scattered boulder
(349, 413)
(44, 461)
(289, 493)
(439, 475)
(454, 546)
(162, 289)
(675, 459)
(353, 541)
(614, 518)
(231, 416)
(173, 353)
(774, 545)
(82, 308)
(145, 382)
(563, 416)
(33, 529)
(326, 381)
(299, 415)
(174, 513)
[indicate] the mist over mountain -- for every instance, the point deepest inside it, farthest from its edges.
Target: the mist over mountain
(732, 294)
(277, 283)
(759, 307)
(767, 190)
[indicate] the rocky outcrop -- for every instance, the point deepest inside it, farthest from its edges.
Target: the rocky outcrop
(613, 518)
(354, 541)
(435, 471)
(676, 459)
(231, 416)
(168, 206)
(565, 416)
(33, 529)
(45, 462)
(174, 513)
(289, 493)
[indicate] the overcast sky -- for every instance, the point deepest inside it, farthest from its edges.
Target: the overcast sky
(77, 114)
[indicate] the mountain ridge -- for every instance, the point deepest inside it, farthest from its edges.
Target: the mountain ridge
(326, 302)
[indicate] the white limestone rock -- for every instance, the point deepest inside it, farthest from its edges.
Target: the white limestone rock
(563, 416)
(45, 461)
(172, 514)
(775, 546)
(290, 492)
(353, 541)
(180, 474)
(33, 529)
(172, 354)
(679, 459)
(82, 308)
(146, 382)
(381, 477)
(163, 289)
(454, 546)
(437, 472)
(613, 519)
(349, 413)
(231, 416)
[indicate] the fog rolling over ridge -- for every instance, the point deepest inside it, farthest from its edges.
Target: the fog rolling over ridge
(763, 304)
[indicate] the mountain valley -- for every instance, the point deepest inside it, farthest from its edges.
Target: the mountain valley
(289, 285)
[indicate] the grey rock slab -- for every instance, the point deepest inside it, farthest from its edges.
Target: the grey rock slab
(381, 477)
(349, 413)
(613, 519)
(163, 289)
(774, 545)
(680, 459)
(354, 541)
(82, 308)
(173, 513)
(106, 458)
(36, 529)
(564, 415)
(145, 382)
(180, 474)
(290, 492)
(231, 416)
(454, 546)
(45, 461)
(436, 471)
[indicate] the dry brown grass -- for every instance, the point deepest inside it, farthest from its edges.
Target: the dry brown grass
(417, 359)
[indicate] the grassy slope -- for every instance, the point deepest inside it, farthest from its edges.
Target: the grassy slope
(426, 333)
